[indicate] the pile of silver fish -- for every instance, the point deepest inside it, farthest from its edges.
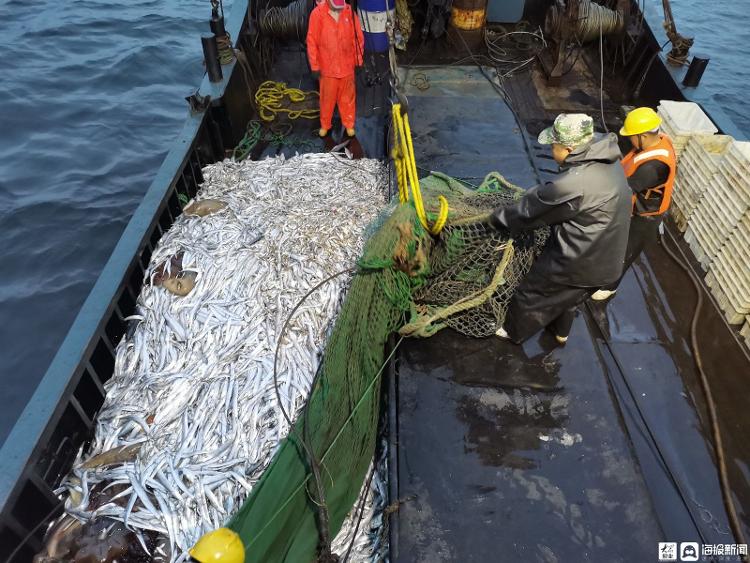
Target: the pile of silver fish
(191, 418)
(363, 535)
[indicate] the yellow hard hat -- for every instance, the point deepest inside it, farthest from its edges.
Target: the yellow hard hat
(219, 546)
(640, 120)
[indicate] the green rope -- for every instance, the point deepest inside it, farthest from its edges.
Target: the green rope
(253, 134)
(374, 263)
(256, 132)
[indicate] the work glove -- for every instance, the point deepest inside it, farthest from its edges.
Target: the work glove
(316, 75)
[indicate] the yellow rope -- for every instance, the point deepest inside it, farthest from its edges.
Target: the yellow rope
(270, 97)
(406, 172)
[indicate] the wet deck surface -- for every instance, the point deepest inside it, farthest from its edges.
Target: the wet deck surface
(593, 451)
(373, 108)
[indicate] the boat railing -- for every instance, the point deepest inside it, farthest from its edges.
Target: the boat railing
(59, 418)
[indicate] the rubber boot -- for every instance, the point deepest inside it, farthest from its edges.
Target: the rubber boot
(328, 142)
(355, 148)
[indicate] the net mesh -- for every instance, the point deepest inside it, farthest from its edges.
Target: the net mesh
(408, 281)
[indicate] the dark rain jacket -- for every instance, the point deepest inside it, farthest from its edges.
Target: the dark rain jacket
(588, 207)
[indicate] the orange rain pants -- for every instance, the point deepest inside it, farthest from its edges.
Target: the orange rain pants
(340, 92)
(335, 48)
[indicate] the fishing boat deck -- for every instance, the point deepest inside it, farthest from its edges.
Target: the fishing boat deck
(592, 451)
(373, 109)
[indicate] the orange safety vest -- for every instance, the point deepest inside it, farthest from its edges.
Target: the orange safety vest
(663, 151)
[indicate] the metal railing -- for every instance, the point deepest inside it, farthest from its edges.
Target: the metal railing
(59, 418)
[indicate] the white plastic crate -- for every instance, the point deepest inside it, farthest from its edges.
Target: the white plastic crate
(712, 218)
(729, 196)
(737, 256)
(721, 207)
(741, 234)
(739, 151)
(693, 183)
(680, 209)
(739, 179)
(679, 142)
(735, 307)
(680, 221)
(686, 118)
(681, 121)
(736, 279)
(696, 247)
(707, 151)
(745, 331)
(691, 172)
(716, 286)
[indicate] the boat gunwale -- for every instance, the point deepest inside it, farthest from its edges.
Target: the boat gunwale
(28, 439)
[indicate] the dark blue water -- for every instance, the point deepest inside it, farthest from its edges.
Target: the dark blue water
(91, 96)
(720, 31)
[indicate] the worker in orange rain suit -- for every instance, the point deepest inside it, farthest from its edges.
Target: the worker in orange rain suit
(650, 168)
(335, 49)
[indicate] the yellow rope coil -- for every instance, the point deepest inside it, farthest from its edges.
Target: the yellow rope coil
(406, 172)
(270, 97)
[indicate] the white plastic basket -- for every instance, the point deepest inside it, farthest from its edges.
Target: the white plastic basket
(745, 331)
(736, 168)
(706, 152)
(695, 239)
(735, 248)
(686, 118)
(715, 285)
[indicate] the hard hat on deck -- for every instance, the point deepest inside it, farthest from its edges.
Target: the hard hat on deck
(219, 546)
(569, 129)
(640, 120)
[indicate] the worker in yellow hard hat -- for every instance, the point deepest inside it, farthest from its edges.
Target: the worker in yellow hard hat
(650, 168)
(219, 546)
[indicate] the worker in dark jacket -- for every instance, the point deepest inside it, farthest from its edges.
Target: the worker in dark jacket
(650, 168)
(588, 209)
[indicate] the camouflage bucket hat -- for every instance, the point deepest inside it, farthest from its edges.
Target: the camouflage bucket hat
(569, 129)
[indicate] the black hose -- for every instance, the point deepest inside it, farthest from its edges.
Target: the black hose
(323, 517)
(361, 510)
(726, 491)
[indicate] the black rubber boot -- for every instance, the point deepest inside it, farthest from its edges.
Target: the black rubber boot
(328, 142)
(355, 147)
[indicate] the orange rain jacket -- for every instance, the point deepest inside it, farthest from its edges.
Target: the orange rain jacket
(334, 48)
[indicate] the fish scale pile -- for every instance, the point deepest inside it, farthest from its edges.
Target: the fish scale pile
(191, 417)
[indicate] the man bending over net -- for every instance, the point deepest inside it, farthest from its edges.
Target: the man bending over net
(588, 209)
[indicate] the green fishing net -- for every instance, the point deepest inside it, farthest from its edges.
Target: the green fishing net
(408, 282)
